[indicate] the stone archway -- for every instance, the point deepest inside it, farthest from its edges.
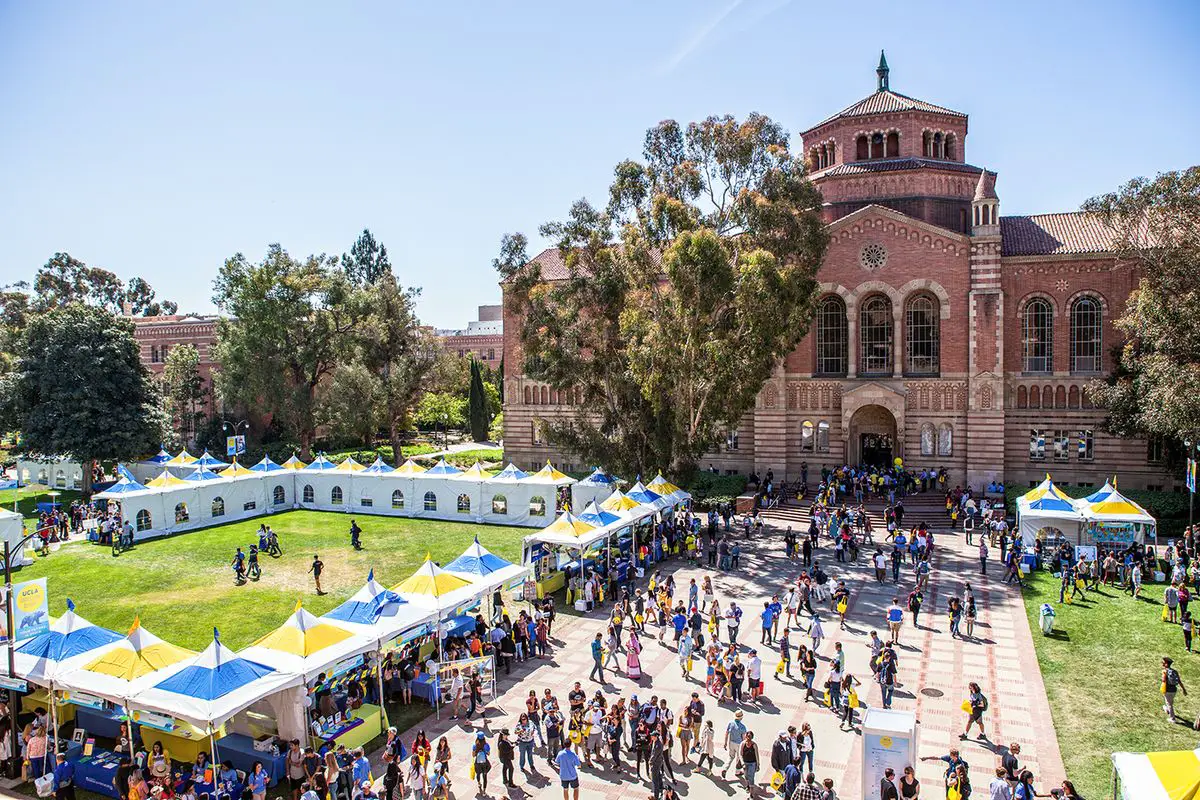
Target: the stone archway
(873, 436)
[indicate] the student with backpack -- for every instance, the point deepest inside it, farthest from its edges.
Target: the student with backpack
(975, 704)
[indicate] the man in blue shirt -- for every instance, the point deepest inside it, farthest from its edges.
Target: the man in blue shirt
(679, 621)
(777, 612)
(597, 659)
(567, 764)
(64, 779)
(768, 619)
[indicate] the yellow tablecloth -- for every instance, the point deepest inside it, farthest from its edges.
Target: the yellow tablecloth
(552, 583)
(184, 743)
(361, 735)
(40, 698)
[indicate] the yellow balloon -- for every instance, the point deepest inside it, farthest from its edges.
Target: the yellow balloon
(899, 462)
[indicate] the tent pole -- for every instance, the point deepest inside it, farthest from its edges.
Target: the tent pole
(379, 676)
(129, 716)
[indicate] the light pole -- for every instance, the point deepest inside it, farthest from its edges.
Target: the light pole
(1187, 464)
(10, 623)
(227, 427)
(445, 431)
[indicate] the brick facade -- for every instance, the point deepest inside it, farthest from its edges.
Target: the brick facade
(482, 339)
(944, 363)
(157, 336)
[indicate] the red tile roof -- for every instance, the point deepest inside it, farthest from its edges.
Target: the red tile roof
(1055, 234)
(886, 101)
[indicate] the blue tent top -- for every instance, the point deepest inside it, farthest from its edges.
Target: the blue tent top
(367, 604)
(1051, 503)
(162, 457)
(379, 466)
(123, 486)
(207, 459)
(123, 472)
(510, 473)
(214, 673)
(1105, 492)
(321, 464)
(442, 468)
(477, 560)
(595, 515)
(70, 636)
(266, 465)
(643, 495)
(598, 478)
(202, 474)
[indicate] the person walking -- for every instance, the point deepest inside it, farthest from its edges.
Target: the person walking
(735, 732)
(1171, 683)
(983, 556)
(895, 618)
(597, 673)
(315, 569)
(479, 760)
(749, 756)
(567, 764)
(975, 704)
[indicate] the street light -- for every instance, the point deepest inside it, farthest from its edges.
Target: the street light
(227, 427)
(10, 623)
(445, 431)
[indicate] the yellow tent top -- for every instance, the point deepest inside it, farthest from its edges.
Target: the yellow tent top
(569, 524)
(549, 473)
(349, 465)
(1165, 775)
(293, 463)
(1043, 489)
(409, 467)
(476, 472)
(619, 501)
(236, 470)
(166, 479)
(303, 635)
(183, 458)
(431, 580)
(661, 485)
(140, 653)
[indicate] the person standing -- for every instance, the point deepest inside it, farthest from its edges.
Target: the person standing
(749, 756)
(315, 569)
(983, 556)
(1171, 683)
(895, 618)
(597, 660)
(504, 748)
(887, 785)
(567, 764)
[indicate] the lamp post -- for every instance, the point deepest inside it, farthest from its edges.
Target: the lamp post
(1191, 453)
(445, 431)
(10, 623)
(226, 427)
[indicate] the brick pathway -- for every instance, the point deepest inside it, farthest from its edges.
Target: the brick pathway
(1001, 660)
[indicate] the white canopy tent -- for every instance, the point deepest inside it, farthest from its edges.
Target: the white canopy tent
(1046, 507)
(1170, 775)
(57, 473)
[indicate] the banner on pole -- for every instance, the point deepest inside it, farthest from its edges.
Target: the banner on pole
(31, 612)
(1190, 477)
(235, 445)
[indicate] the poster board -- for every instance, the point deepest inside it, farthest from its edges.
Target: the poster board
(31, 611)
(484, 665)
(889, 740)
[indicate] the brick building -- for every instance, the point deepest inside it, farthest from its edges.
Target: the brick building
(944, 334)
(482, 338)
(156, 336)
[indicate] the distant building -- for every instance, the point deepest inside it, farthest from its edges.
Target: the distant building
(157, 336)
(483, 338)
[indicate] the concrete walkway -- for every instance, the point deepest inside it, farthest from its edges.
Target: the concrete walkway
(1000, 659)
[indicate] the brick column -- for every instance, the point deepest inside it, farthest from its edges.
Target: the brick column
(985, 397)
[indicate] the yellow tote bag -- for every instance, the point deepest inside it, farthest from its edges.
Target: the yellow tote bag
(777, 780)
(841, 607)
(966, 706)
(853, 699)
(1164, 614)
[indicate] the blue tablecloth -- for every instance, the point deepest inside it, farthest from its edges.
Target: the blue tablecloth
(424, 687)
(95, 777)
(238, 748)
(98, 722)
(458, 626)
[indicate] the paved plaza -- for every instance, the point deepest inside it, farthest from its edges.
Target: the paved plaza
(934, 672)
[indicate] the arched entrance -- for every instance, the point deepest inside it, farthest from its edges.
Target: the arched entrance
(873, 436)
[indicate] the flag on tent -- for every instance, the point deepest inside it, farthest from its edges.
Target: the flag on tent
(410, 467)
(597, 517)
(379, 467)
(442, 468)
(40, 658)
(183, 459)
(293, 463)
(165, 478)
(349, 465)
(320, 464)
(236, 470)
(510, 474)
(266, 465)
(209, 461)
(202, 474)
(367, 604)
(430, 580)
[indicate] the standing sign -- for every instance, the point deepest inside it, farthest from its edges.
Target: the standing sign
(31, 612)
(889, 740)
(235, 445)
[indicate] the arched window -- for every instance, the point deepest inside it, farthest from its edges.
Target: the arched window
(928, 439)
(875, 336)
(397, 499)
(218, 507)
(937, 145)
(893, 144)
(499, 504)
(1022, 397)
(143, 520)
(861, 149)
(1037, 336)
(921, 336)
(527, 394)
(822, 437)
(832, 352)
(927, 144)
(1060, 397)
(278, 496)
(1085, 335)
(430, 501)
(335, 495)
(537, 506)
(181, 513)
(1073, 397)
(464, 504)
(308, 494)
(951, 146)
(43, 478)
(945, 439)
(545, 395)
(807, 436)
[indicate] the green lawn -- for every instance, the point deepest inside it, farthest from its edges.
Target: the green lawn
(28, 497)
(1101, 667)
(183, 586)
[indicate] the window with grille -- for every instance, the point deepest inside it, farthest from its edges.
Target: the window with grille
(832, 351)
(1062, 445)
(921, 336)
(1086, 318)
(1037, 445)
(308, 494)
(731, 440)
(1086, 444)
(1155, 452)
(822, 437)
(807, 437)
(875, 336)
(397, 499)
(1037, 336)
(430, 501)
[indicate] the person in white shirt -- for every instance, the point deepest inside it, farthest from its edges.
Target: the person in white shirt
(999, 789)
(456, 692)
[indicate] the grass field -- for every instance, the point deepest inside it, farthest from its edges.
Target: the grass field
(1101, 667)
(29, 496)
(182, 586)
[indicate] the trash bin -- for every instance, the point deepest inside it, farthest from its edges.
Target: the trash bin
(1047, 619)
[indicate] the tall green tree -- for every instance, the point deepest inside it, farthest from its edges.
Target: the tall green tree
(367, 260)
(140, 296)
(288, 325)
(183, 390)
(351, 408)
(79, 389)
(441, 410)
(1155, 388)
(63, 280)
(477, 410)
(682, 295)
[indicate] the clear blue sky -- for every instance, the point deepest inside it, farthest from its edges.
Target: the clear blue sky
(157, 139)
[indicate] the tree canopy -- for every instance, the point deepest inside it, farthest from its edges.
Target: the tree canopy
(183, 389)
(682, 294)
(1155, 388)
(63, 280)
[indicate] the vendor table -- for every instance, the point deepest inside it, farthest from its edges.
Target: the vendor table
(358, 732)
(40, 698)
(238, 748)
(183, 743)
(235, 790)
(96, 772)
(100, 722)
(551, 583)
(424, 687)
